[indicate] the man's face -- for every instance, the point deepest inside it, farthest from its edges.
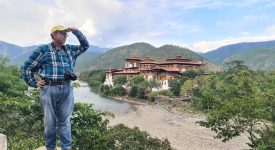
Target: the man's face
(60, 36)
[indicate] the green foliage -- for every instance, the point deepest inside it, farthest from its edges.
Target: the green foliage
(88, 127)
(141, 93)
(105, 90)
(267, 140)
(95, 78)
(4, 60)
(186, 88)
(85, 75)
(120, 80)
(191, 74)
(236, 102)
(121, 137)
(138, 92)
(134, 91)
(137, 81)
(153, 83)
(11, 82)
(174, 85)
(138, 87)
(76, 85)
(152, 95)
(118, 91)
(21, 121)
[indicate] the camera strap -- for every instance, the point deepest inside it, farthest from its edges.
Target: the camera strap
(67, 56)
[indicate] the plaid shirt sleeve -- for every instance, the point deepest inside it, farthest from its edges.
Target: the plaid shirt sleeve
(79, 49)
(30, 66)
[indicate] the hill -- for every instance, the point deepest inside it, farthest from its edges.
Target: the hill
(114, 58)
(19, 54)
(10, 49)
(257, 59)
(220, 55)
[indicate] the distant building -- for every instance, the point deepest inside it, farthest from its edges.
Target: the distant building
(151, 69)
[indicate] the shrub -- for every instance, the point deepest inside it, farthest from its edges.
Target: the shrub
(118, 91)
(152, 95)
(121, 137)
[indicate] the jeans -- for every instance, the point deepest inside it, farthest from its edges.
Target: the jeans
(57, 104)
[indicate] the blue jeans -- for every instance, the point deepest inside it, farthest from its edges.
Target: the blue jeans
(57, 103)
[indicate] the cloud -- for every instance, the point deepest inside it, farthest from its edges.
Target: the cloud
(110, 23)
(23, 25)
(262, 17)
(271, 29)
(205, 46)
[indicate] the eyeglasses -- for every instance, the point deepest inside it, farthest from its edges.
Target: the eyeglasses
(63, 33)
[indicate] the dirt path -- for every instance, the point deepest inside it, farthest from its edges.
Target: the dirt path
(179, 128)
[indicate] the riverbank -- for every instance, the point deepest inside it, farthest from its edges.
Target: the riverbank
(179, 128)
(169, 121)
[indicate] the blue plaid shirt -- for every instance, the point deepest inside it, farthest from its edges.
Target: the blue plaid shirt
(51, 63)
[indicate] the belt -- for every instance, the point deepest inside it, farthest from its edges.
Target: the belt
(47, 82)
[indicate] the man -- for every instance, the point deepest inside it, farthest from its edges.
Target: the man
(54, 62)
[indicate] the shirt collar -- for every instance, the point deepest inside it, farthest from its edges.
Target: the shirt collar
(57, 49)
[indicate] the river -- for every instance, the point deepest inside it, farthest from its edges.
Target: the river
(83, 94)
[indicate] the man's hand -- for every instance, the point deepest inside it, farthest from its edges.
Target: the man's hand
(41, 84)
(72, 29)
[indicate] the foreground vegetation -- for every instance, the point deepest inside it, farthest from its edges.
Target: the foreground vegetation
(21, 120)
(236, 101)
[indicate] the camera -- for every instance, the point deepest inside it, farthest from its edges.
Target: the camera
(70, 76)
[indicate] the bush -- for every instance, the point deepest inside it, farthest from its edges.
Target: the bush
(133, 91)
(21, 121)
(138, 92)
(88, 127)
(105, 90)
(120, 80)
(118, 91)
(121, 137)
(152, 95)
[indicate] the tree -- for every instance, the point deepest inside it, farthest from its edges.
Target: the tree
(174, 85)
(120, 80)
(191, 74)
(187, 88)
(4, 60)
(133, 91)
(121, 137)
(138, 81)
(237, 104)
(153, 83)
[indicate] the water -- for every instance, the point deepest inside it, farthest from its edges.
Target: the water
(84, 95)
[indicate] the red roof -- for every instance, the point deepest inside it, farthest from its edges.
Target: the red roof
(172, 69)
(147, 62)
(179, 62)
(163, 69)
(178, 58)
(127, 72)
(133, 57)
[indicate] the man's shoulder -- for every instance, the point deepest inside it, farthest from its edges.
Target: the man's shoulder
(43, 48)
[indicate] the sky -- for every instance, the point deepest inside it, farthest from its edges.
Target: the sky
(200, 25)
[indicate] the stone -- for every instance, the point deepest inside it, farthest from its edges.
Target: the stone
(3, 142)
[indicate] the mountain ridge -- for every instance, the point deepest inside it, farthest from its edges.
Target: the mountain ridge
(219, 55)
